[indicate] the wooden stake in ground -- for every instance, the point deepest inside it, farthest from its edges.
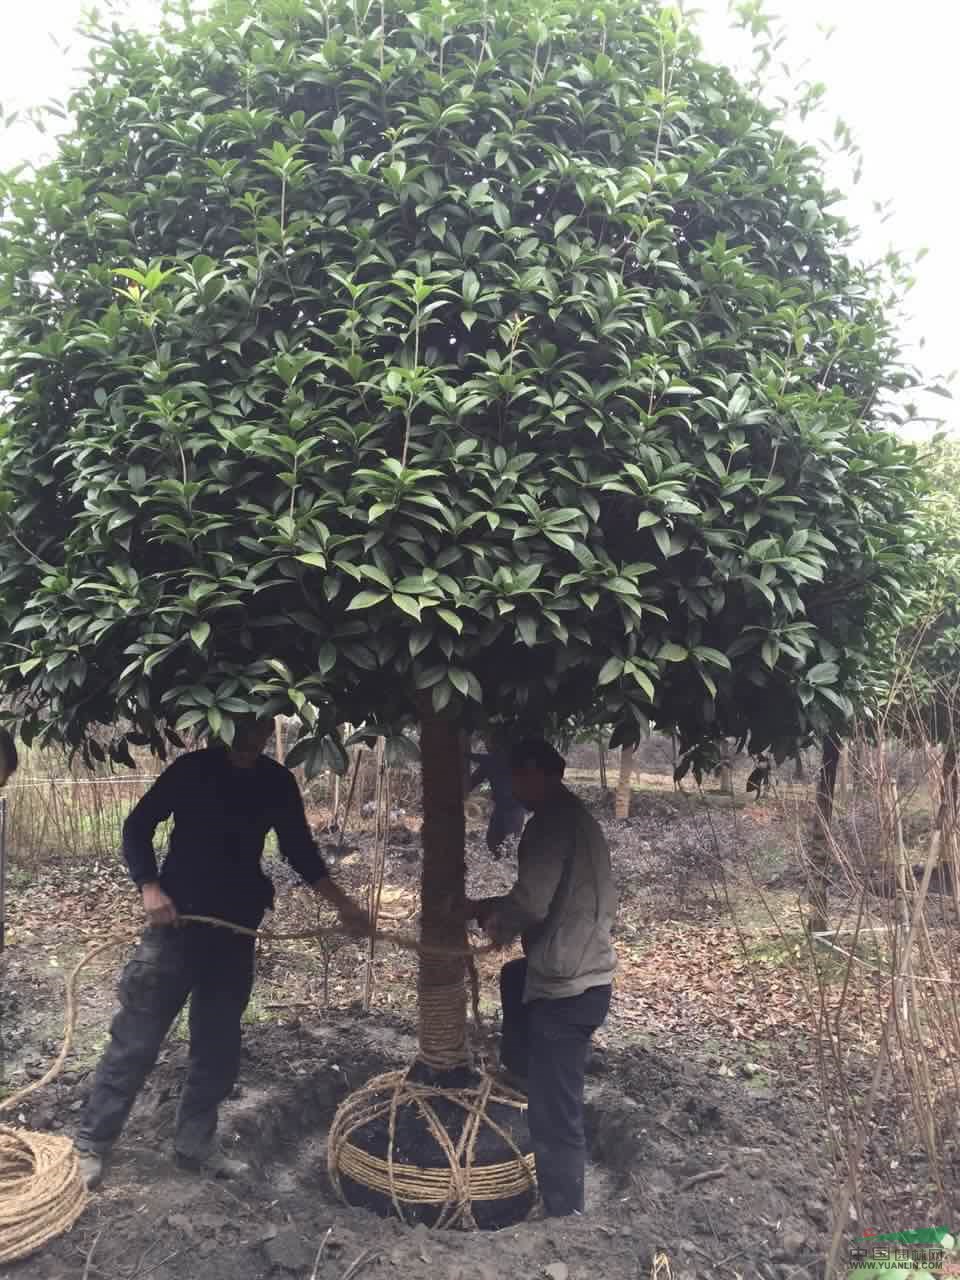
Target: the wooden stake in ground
(350, 793)
(625, 784)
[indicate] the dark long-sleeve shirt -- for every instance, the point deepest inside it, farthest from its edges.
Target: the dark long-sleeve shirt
(494, 767)
(221, 818)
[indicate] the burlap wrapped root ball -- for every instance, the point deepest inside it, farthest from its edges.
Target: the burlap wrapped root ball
(455, 1154)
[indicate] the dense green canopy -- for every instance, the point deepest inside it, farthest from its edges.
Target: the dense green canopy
(509, 352)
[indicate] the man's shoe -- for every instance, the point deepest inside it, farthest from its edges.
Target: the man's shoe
(91, 1169)
(214, 1166)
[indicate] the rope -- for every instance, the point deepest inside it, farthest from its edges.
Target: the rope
(451, 1188)
(41, 1191)
(442, 1026)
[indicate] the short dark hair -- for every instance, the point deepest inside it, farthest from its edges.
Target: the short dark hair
(8, 751)
(540, 754)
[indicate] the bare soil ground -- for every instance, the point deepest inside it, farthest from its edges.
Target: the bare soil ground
(705, 1066)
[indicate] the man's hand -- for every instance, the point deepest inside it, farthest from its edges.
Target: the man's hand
(355, 920)
(158, 905)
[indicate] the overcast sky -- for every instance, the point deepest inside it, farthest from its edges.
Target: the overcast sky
(891, 74)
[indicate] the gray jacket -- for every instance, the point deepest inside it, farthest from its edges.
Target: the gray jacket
(564, 902)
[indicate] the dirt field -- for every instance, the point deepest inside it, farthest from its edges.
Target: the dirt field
(706, 1066)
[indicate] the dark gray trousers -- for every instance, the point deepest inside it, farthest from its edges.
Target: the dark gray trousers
(214, 969)
(547, 1041)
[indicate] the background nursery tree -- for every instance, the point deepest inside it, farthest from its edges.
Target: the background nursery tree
(436, 361)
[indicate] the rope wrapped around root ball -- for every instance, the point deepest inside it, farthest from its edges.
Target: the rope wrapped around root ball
(452, 1189)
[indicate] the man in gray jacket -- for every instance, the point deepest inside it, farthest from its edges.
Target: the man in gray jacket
(563, 905)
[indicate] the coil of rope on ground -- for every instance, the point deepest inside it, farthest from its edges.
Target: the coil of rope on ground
(42, 1193)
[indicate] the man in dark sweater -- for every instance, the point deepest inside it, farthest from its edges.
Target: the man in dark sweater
(8, 757)
(223, 803)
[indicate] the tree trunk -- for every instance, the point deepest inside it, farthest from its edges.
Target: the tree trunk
(819, 874)
(949, 806)
(726, 769)
(798, 767)
(466, 746)
(381, 834)
(903, 880)
(843, 774)
(625, 784)
(441, 984)
(603, 765)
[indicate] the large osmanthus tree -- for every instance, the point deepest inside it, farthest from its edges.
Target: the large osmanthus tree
(435, 361)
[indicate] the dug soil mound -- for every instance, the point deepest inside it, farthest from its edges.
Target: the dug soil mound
(683, 1163)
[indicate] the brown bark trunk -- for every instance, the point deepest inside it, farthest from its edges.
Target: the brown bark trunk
(603, 765)
(381, 832)
(466, 746)
(442, 980)
(820, 851)
(949, 801)
(843, 774)
(625, 783)
(903, 879)
(726, 769)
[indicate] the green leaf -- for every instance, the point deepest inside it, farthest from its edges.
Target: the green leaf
(642, 680)
(662, 538)
(451, 620)
(199, 633)
(367, 599)
(714, 656)
(459, 680)
(739, 401)
(407, 604)
(823, 673)
(672, 653)
(611, 670)
(528, 629)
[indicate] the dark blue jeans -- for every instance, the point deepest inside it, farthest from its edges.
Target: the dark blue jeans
(214, 968)
(547, 1041)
